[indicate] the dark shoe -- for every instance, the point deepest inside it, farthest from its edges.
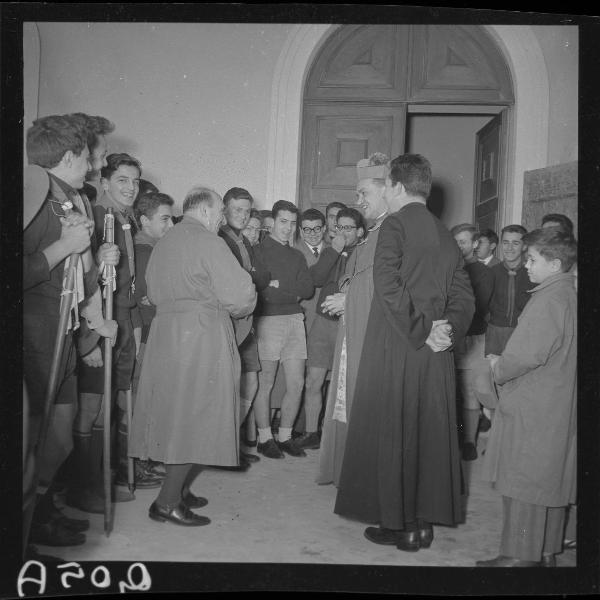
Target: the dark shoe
(408, 541)
(425, 535)
(548, 560)
(243, 466)
(248, 457)
(569, 544)
(89, 501)
(54, 534)
(506, 561)
(484, 423)
(291, 447)
(77, 525)
(270, 449)
(155, 467)
(309, 440)
(469, 451)
(143, 479)
(180, 515)
(381, 535)
(192, 501)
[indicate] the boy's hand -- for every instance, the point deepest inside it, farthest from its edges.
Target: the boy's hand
(109, 254)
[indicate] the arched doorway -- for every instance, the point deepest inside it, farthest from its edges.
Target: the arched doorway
(440, 90)
(527, 145)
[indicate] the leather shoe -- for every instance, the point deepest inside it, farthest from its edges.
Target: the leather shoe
(143, 479)
(249, 457)
(381, 535)
(548, 560)
(180, 515)
(425, 535)
(408, 541)
(506, 561)
(291, 447)
(192, 501)
(53, 533)
(469, 452)
(69, 523)
(309, 440)
(270, 449)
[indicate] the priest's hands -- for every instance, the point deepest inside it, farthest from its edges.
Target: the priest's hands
(334, 304)
(440, 337)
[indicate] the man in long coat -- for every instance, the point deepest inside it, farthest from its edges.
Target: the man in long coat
(187, 409)
(401, 465)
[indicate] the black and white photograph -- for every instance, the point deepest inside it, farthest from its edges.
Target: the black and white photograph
(290, 299)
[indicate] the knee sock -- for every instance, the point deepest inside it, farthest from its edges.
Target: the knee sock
(284, 434)
(264, 435)
(170, 492)
(470, 423)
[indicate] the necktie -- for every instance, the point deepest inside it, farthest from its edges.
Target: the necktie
(316, 251)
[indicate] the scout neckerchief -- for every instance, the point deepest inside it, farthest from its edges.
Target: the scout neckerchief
(239, 240)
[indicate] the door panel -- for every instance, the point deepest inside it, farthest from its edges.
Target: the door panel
(336, 137)
(489, 172)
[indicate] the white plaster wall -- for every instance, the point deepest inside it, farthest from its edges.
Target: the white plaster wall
(560, 47)
(191, 101)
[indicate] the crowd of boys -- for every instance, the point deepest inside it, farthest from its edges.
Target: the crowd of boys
(297, 262)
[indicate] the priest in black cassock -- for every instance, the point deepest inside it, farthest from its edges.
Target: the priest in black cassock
(401, 465)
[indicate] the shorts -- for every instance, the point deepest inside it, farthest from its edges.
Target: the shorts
(281, 337)
(91, 379)
(249, 353)
(469, 351)
(39, 337)
(320, 345)
(496, 338)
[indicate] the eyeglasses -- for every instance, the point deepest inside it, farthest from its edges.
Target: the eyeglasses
(346, 227)
(316, 229)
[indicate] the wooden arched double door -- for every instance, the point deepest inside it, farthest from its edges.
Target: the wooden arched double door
(367, 81)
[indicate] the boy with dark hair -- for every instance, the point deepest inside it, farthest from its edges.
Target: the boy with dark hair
(280, 330)
(562, 222)
(238, 208)
(531, 453)
(320, 343)
(470, 350)
(511, 286)
(58, 230)
(488, 242)
(331, 212)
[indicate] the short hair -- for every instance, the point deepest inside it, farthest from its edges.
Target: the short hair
(50, 137)
(313, 214)
(283, 205)
(255, 214)
(413, 171)
(199, 195)
(554, 244)
(95, 125)
(148, 203)
(464, 227)
(513, 229)
(116, 160)
(356, 216)
(490, 234)
(236, 193)
(565, 224)
(331, 205)
(264, 213)
(146, 186)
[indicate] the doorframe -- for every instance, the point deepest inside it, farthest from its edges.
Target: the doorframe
(527, 143)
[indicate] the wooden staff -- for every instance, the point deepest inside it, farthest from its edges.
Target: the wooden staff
(109, 237)
(66, 302)
(130, 471)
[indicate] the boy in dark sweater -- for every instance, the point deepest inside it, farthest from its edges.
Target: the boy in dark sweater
(470, 350)
(280, 330)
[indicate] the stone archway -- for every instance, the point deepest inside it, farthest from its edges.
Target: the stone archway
(528, 133)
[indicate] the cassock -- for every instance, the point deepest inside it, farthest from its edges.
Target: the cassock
(401, 460)
(187, 408)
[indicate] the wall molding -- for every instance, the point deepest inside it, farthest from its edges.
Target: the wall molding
(528, 130)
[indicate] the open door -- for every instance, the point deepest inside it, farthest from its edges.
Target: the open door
(490, 153)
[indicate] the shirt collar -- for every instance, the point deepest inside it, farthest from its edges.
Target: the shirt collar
(552, 280)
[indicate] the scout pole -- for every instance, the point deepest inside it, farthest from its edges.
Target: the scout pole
(109, 280)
